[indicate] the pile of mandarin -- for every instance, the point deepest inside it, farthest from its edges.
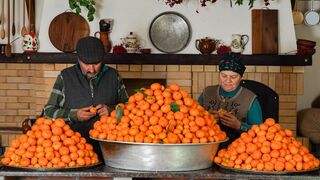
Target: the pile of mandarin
(266, 147)
(50, 144)
(159, 115)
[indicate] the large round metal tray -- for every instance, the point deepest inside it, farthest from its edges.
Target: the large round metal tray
(79, 168)
(224, 168)
(170, 32)
(157, 157)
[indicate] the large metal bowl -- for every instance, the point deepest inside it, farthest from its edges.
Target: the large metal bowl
(157, 157)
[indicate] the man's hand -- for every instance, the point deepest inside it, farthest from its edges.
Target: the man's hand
(230, 120)
(84, 114)
(103, 109)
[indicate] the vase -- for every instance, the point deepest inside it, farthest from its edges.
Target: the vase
(104, 37)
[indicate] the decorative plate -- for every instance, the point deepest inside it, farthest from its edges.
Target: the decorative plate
(170, 32)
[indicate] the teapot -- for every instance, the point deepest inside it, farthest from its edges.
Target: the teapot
(130, 43)
(206, 45)
(239, 42)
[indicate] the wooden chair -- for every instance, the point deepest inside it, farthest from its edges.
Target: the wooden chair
(267, 97)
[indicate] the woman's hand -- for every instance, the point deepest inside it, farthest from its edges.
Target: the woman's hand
(230, 120)
(103, 109)
(84, 114)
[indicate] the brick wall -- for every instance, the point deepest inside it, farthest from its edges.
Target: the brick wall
(24, 88)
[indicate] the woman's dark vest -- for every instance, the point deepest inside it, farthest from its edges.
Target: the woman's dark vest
(240, 104)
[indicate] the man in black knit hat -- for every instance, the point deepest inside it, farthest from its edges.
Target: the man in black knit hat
(88, 83)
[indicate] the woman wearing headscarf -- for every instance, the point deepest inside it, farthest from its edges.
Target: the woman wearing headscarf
(236, 107)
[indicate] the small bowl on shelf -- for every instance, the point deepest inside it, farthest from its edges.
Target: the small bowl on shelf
(306, 43)
(145, 50)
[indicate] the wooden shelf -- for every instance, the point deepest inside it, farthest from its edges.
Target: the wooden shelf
(161, 59)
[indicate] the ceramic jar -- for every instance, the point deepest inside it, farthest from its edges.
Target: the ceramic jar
(30, 43)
